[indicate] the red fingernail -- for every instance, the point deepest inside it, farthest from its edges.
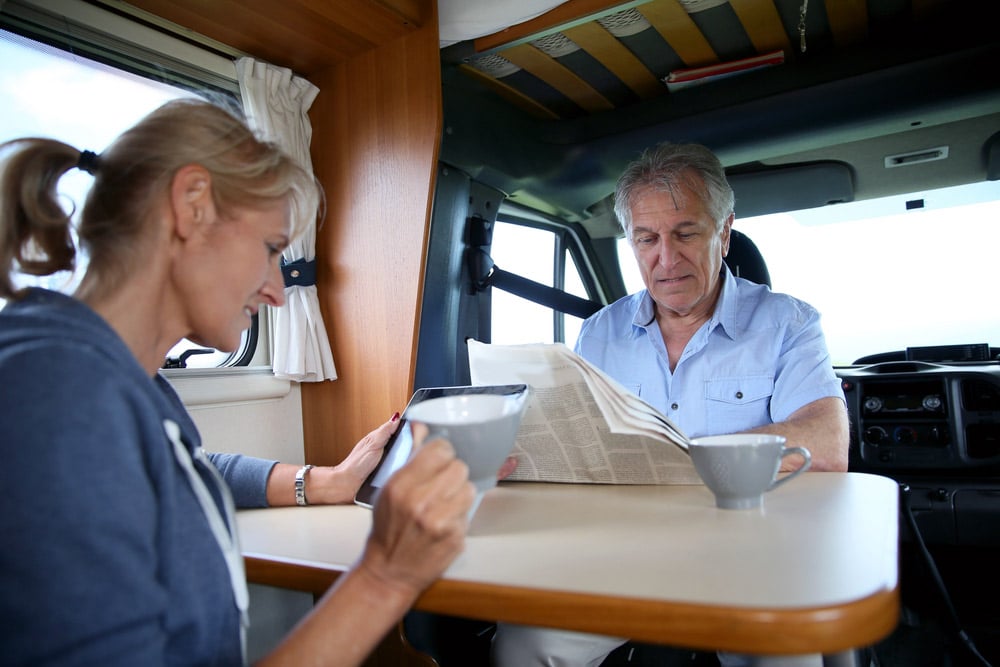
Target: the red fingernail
(395, 417)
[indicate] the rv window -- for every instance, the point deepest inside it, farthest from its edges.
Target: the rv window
(886, 274)
(539, 254)
(53, 93)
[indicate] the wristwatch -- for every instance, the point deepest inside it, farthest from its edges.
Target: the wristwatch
(300, 485)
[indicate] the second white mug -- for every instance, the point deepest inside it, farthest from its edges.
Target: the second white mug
(741, 467)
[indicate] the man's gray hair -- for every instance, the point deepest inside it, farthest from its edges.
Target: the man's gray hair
(667, 167)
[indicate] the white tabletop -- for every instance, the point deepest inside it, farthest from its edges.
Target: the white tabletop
(821, 549)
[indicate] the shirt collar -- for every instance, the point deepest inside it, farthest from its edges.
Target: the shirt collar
(724, 314)
(725, 307)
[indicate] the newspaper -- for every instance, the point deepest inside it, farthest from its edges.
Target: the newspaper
(581, 425)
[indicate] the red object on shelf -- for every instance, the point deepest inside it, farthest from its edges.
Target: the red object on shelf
(682, 78)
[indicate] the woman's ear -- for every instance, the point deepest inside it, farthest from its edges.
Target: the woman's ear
(191, 199)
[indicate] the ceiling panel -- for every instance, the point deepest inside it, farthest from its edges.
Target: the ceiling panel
(638, 44)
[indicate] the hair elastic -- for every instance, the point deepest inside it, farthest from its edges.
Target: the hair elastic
(87, 162)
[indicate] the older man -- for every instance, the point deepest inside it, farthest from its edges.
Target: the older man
(715, 353)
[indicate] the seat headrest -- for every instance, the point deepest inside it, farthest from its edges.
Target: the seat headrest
(745, 260)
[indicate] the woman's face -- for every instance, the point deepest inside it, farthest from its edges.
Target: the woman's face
(241, 255)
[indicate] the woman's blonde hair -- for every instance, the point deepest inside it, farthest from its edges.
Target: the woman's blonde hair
(130, 178)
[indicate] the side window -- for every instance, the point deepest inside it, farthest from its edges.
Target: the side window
(50, 92)
(543, 255)
(630, 269)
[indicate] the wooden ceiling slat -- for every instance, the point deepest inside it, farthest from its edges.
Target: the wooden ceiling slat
(562, 15)
(532, 60)
(597, 41)
(763, 25)
(510, 93)
(683, 35)
(848, 20)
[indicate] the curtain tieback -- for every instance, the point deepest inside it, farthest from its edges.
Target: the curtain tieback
(300, 272)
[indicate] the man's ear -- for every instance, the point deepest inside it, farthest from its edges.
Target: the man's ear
(727, 228)
(191, 199)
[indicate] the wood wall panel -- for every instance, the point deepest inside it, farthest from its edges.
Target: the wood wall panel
(376, 132)
(305, 35)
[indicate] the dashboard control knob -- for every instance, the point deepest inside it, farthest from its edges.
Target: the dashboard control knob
(873, 404)
(932, 402)
(905, 435)
(875, 435)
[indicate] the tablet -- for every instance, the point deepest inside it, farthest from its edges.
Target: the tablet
(397, 450)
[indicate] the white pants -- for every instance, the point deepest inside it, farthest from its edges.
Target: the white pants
(529, 646)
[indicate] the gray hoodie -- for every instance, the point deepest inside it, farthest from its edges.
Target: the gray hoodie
(106, 557)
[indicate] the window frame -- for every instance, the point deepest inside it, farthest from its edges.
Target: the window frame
(569, 239)
(126, 43)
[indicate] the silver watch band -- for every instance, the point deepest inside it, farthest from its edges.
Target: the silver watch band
(300, 485)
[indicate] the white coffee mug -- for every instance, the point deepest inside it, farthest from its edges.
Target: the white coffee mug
(481, 427)
(740, 468)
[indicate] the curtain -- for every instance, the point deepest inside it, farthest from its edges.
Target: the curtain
(276, 103)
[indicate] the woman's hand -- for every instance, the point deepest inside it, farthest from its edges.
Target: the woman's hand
(418, 528)
(326, 485)
(354, 469)
(420, 518)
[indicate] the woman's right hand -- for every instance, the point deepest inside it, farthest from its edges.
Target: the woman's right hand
(418, 528)
(420, 518)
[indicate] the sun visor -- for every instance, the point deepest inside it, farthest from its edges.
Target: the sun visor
(793, 188)
(993, 158)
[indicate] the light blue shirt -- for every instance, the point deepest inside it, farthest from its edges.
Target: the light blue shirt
(760, 357)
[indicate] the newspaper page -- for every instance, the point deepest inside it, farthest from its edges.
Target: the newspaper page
(580, 425)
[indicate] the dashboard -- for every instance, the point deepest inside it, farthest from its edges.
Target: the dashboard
(934, 427)
(913, 415)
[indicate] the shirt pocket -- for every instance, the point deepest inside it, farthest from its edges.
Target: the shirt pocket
(736, 404)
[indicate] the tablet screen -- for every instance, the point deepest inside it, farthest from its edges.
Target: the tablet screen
(397, 450)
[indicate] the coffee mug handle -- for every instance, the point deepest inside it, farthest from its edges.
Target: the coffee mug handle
(436, 434)
(788, 451)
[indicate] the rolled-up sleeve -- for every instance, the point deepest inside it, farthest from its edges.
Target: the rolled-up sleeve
(246, 477)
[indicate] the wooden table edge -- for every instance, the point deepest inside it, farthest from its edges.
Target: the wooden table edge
(773, 631)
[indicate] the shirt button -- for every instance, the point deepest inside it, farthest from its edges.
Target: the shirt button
(673, 406)
(739, 394)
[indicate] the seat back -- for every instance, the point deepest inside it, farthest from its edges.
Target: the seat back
(745, 260)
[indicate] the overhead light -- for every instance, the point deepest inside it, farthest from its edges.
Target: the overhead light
(916, 157)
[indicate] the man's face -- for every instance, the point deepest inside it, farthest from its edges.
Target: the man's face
(679, 250)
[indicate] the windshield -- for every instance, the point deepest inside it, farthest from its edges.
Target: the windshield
(887, 274)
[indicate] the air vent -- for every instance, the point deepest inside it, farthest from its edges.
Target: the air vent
(494, 65)
(916, 157)
(556, 45)
(692, 6)
(624, 24)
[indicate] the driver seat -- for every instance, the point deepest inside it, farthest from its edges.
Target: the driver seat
(745, 260)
